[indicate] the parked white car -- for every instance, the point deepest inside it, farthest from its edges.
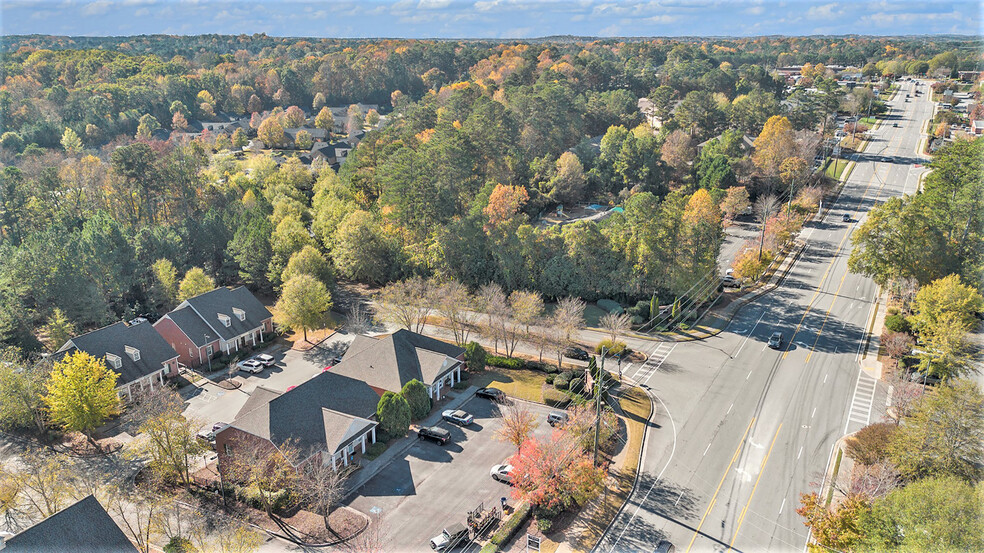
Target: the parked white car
(502, 473)
(267, 360)
(251, 366)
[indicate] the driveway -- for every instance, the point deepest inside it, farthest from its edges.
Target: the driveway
(433, 486)
(210, 403)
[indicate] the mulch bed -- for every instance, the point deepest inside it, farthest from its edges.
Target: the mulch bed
(229, 384)
(78, 445)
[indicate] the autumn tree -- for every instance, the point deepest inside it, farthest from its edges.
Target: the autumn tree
(271, 132)
(455, 305)
(293, 117)
(171, 443)
(735, 202)
(569, 183)
(309, 261)
(518, 424)
(944, 435)
(325, 120)
(81, 393)
(505, 203)
(678, 151)
(765, 207)
(195, 283)
(58, 329)
(178, 121)
(407, 303)
(750, 265)
(616, 324)
(840, 528)
(303, 140)
(71, 141)
(44, 481)
(554, 474)
(322, 486)
(148, 124)
(701, 238)
(356, 119)
(372, 118)
(568, 316)
(304, 303)
(526, 307)
(870, 444)
(774, 145)
(494, 304)
(165, 280)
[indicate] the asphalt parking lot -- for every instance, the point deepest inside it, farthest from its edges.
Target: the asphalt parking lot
(432, 486)
(211, 403)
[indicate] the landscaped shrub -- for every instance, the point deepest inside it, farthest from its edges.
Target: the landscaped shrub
(511, 525)
(534, 366)
(475, 356)
(870, 444)
(640, 309)
(550, 378)
(393, 414)
(555, 398)
(576, 385)
(897, 323)
(504, 362)
(416, 395)
(544, 524)
(561, 382)
(550, 369)
(611, 306)
(178, 545)
(612, 348)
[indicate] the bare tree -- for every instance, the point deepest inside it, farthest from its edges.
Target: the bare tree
(493, 303)
(873, 481)
(370, 540)
(268, 468)
(45, 482)
(359, 318)
(569, 316)
(139, 513)
(904, 290)
(897, 345)
(13, 507)
(454, 303)
(765, 207)
(212, 532)
(542, 336)
(322, 486)
(526, 307)
(518, 424)
(171, 444)
(904, 395)
(406, 303)
(616, 324)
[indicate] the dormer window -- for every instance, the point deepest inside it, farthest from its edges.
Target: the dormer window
(133, 352)
(239, 313)
(225, 319)
(114, 360)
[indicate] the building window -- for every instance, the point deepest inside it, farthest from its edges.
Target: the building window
(114, 361)
(239, 313)
(228, 449)
(133, 352)
(226, 320)
(208, 350)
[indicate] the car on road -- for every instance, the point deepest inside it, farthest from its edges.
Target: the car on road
(775, 341)
(251, 366)
(267, 360)
(730, 281)
(208, 435)
(556, 418)
(502, 473)
(576, 353)
(494, 394)
(846, 218)
(450, 537)
(895, 124)
(434, 433)
(664, 547)
(457, 416)
(923, 378)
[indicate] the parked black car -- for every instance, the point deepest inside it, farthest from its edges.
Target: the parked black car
(494, 394)
(576, 353)
(435, 433)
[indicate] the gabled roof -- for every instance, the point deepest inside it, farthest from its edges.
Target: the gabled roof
(212, 307)
(114, 339)
(85, 527)
(322, 413)
(391, 362)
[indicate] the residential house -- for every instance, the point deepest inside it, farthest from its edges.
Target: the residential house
(747, 144)
(84, 527)
(317, 135)
(387, 364)
(329, 417)
(648, 110)
(977, 126)
(134, 350)
(223, 320)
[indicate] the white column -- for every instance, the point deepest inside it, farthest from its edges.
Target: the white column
(363, 444)
(373, 434)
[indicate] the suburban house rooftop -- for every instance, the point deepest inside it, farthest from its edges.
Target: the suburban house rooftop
(135, 351)
(84, 527)
(224, 313)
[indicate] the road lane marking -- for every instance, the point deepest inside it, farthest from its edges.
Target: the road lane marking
(721, 483)
(729, 409)
(825, 378)
(782, 506)
(861, 401)
(706, 449)
(800, 452)
(749, 335)
(741, 518)
(814, 412)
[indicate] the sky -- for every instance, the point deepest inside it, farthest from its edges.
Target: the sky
(498, 19)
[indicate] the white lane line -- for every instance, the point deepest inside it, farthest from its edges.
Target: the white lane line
(749, 335)
(825, 378)
(730, 408)
(782, 506)
(814, 412)
(706, 449)
(749, 374)
(800, 453)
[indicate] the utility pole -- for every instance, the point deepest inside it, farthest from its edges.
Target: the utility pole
(598, 388)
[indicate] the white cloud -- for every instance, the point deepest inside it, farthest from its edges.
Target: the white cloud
(611, 30)
(755, 10)
(99, 7)
(883, 19)
(433, 4)
(662, 19)
(825, 11)
(142, 12)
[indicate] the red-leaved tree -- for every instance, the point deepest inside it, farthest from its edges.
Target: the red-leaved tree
(554, 474)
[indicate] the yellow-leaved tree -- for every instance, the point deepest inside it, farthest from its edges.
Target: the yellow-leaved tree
(81, 393)
(774, 145)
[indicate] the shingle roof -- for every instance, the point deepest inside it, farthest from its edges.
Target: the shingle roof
(391, 362)
(322, 413)
(193, 326)
(225, 301)
(113, 339)
(85, 527)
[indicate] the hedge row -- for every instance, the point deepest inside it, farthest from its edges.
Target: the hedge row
(508, 529)
(514, 363)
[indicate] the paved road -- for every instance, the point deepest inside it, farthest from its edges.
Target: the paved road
(744, 429)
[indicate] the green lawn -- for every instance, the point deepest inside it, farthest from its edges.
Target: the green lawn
(870, 121)
(523, 384)
(836, 168)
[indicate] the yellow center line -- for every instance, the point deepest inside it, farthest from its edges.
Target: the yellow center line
(741, 518)
(721, 483)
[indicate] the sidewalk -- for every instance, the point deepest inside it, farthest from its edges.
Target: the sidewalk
(399, 447)
(868, 358)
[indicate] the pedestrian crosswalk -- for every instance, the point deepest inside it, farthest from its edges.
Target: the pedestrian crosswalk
(861, 403)
(653, 363)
